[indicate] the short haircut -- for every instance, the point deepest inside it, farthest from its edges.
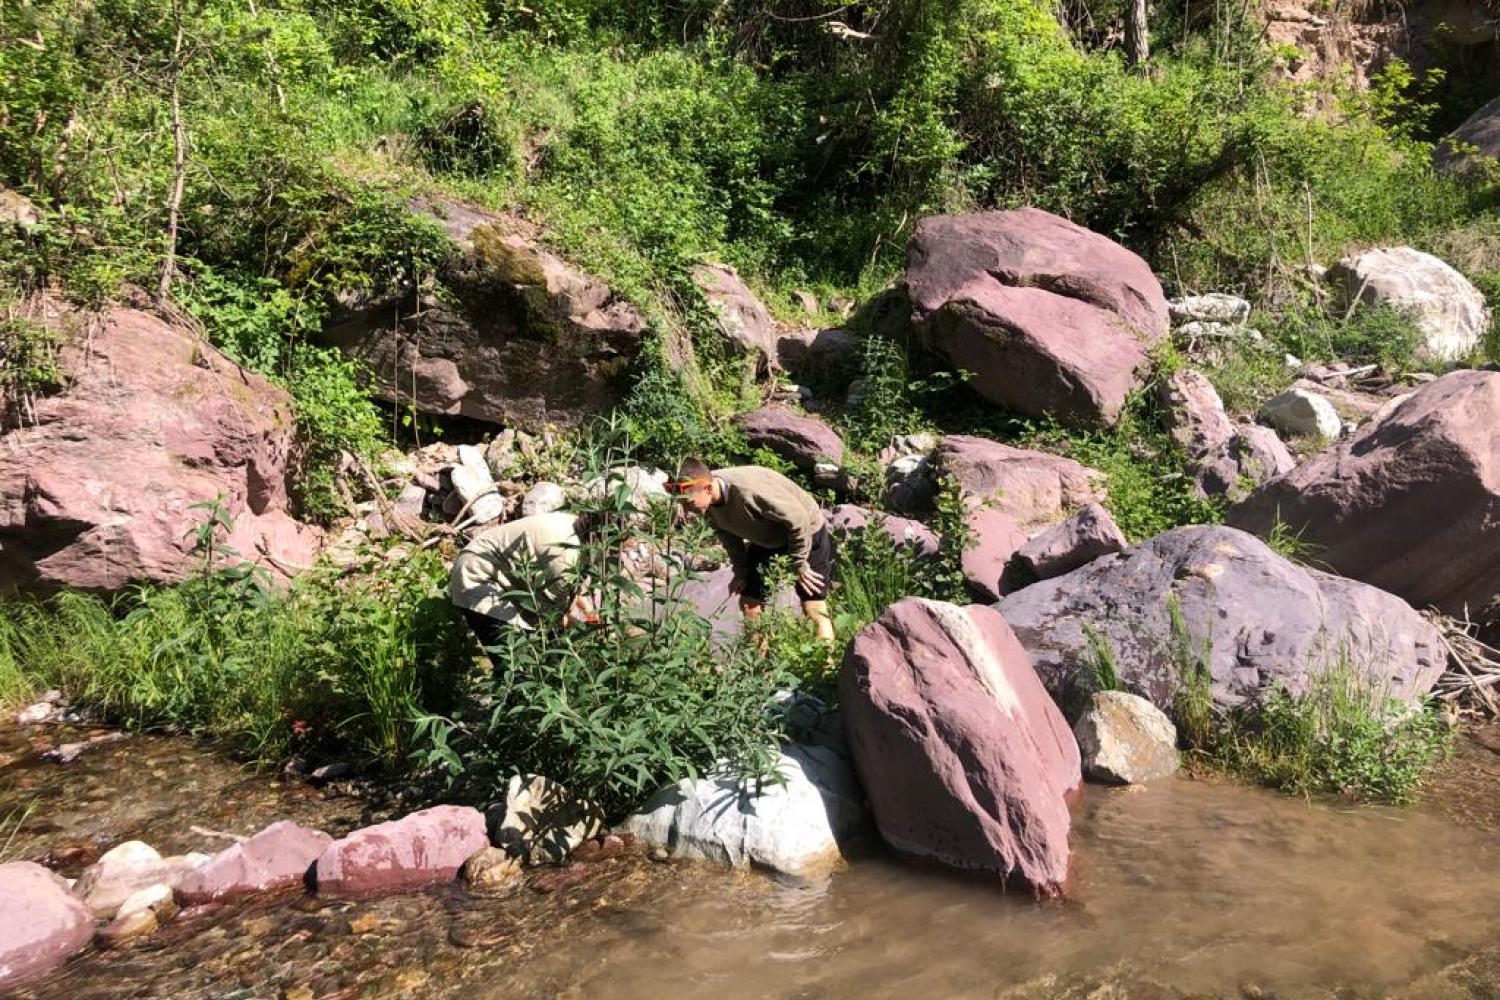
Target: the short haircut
(693, 468)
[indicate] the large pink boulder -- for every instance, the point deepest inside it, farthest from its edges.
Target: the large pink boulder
(1053, 320)
(98, 491)
(1033, 488)
(1409, 503)
(41, 923)
(803, 441)
(1223, 456)
(274, 858)
(993, 540)
(743, 319)
(521, 337)
(847, 517)
(1082, 538)
(963, 755)
(421, 849)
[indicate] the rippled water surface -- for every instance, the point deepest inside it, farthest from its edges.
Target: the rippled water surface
(1186, 888)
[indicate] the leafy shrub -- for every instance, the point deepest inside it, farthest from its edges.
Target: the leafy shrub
(333, 416)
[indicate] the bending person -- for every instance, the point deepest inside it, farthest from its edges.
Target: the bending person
(759, 514)
(536, 554)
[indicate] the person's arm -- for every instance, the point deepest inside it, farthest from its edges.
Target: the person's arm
(799, 529)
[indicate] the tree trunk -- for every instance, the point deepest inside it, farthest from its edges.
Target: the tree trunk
(1137, 39)
(179, 169)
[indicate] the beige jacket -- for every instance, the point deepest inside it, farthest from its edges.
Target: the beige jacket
(764, 508)
(538, 550)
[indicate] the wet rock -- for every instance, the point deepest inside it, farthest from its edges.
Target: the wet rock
(1079, 540)
(903, 530)
(486, 936)
(126, 869)
(1054, 320)
(140, 916)
(543, 498)
(489, 868)
(743, 320)
(611, 845)
(1214, 307)
(566, 878)
(965, 758)
(67, 753)
(803, 441)
(1448, 309)
(1303, 413)
(1409, 502)
(521, 337)
(98, 492)
(995, 538)
(41, 923)
(1033, 488)
(799, 828)
(420, 849)
(277, 857)
(1125, 740)
(35, 715)
(1260, 621)
(542, 822)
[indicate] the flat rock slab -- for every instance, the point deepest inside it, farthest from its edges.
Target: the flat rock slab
(276, 857)
(41, 923)
(800, 827)
(1032, 488)
(965, 758)
(424, 848)
(1259, 621)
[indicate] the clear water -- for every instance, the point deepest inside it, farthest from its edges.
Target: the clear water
(1185, 888)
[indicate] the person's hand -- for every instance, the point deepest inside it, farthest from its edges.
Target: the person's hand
(811, 579)
(737, 584)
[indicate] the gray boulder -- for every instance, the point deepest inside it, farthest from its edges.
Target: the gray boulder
(801, 827)
(543, 498)
(542, 823)
(1303, 413)
(1473, 144)
(1125, 740)
(520, 337)
(1257, 620)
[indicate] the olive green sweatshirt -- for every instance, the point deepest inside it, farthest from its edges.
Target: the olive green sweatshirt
(531, 550)
(764, 508)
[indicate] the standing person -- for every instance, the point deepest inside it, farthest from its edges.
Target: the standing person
(759, 514)
(537, 553)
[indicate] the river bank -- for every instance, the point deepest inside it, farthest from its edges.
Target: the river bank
(1185, 887)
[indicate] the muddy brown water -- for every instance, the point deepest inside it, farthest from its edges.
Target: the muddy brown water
(1186, 888)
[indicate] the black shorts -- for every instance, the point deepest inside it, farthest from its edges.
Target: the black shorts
(820, 558)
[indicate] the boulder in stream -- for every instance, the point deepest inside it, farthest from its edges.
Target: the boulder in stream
(276, 857)
(128, 868)
(801, 827)
(41, 923)
(965, 758)
(423, 848)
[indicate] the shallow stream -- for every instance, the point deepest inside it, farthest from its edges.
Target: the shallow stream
(1185, 888)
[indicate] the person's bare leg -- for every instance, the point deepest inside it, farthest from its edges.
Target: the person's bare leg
(751, 609)
(817, 613)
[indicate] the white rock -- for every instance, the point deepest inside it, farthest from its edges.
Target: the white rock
(475, 486)
(543, 498)
(1215, 307)
(1207, 329)
(1291, 362)
(1304, 413)
(125, 870)
(642, 486)
(156, 899)
(796, 828)
(36, 714)
(542, 822)
(1450, 311)
(1124, 740)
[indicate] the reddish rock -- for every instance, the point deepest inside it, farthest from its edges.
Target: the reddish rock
(743, 320)
(1259, 621)
(1222, 455)
(274, 858)
(1409, 503)
(903, 530)
(421, 849)
(521, 338)
(804, 441)
(964, 757)
(819, 355)
(1032, 487)
(41, 923)
(1079, 540)
(98, 492)
(1054, 320)
(995, 539)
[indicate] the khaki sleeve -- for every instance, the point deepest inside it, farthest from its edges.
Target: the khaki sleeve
(799, 527)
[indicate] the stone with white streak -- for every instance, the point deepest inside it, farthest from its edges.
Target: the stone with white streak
(1125, 740)
(1448, 309)
(800, 827)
